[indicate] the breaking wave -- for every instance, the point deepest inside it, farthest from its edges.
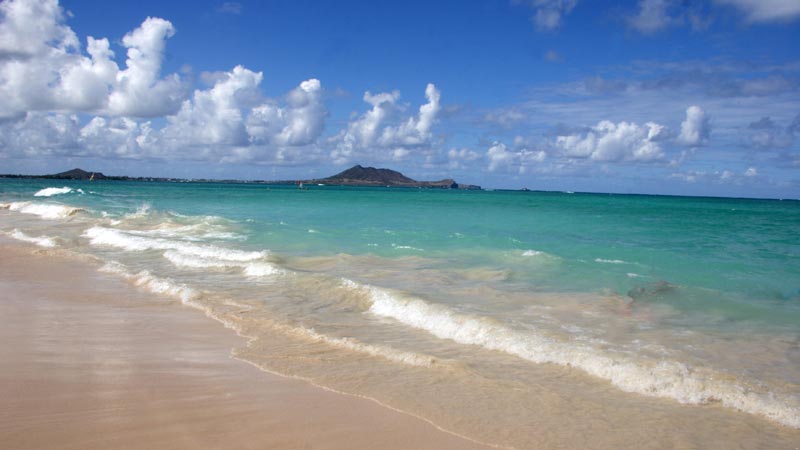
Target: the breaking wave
(45, 211)
(186, 254)
(51, 191)
(667, 379)
(41, 241)
(154, 284)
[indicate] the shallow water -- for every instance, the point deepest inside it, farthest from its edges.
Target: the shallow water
(515, 318)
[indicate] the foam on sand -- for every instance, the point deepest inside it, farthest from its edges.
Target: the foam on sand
(667, 379)
(352, 344)
(154, 284)
(41, 241)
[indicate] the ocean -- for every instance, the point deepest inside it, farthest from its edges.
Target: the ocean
(518, 319)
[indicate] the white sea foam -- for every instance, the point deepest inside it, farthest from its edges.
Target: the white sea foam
(533, 253)
(117, 238)
(197, 232)
(45, 211)
(51, 191)
(669, 379)
(42, 241)
(257, 269)
(610, 261)
(186, 254)
(261, 269)
(154, 284)
(141, 211)
(351, 344)
(407, 247)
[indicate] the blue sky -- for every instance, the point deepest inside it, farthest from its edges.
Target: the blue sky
(648, 96)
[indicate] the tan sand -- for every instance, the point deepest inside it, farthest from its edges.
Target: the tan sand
(86, 362)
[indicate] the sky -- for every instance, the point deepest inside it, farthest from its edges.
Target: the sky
(682, 97)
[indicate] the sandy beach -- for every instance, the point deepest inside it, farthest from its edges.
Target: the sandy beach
(89, 363)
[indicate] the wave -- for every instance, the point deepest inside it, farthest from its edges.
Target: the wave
(666, 379)
(51, 191)
(257, 269)
(351, 344)
(610, 261)
(121, 239)
(407, 247)
(42, 241)
(186, 254)
(45, 211)
(154, 284)
(196, 232)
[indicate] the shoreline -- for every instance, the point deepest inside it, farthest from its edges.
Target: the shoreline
(90, 362)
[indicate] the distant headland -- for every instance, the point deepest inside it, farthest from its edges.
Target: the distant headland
(354, 176)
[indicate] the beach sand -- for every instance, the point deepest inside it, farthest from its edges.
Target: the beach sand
(88, 362)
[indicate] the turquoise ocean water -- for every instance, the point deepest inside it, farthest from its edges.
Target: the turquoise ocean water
(685, 301)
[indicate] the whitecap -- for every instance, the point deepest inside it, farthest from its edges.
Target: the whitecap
(45, 211)
(610, 261)
(407, 247)
(51, 191)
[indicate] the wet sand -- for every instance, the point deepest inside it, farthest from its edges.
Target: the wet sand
(87, 362)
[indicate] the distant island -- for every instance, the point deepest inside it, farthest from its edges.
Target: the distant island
(370, 176)
(354, 176)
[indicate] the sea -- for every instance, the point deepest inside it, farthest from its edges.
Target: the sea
(516, 319)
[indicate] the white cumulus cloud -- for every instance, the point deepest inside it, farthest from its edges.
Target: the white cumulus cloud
(695, 130)
(376, 129)
(501, 157)
(609, 141)
(138, 91)
(42, 67)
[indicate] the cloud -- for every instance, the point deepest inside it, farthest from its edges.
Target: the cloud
(214, 116)
(695, 130)
(501, 157)
(298, 123)
(548, 14)
(717, 176)
(33, 28)
(764, 11)
(370, 131)
(228, 122)
(612, 142)
(230, 8)
(653, 16)
(794, 127)
(138, 91)
(118, 137)
(42, 67)
(41, 135)
(553, 56)
(232, 115)
(765, 134)
(461, 158)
